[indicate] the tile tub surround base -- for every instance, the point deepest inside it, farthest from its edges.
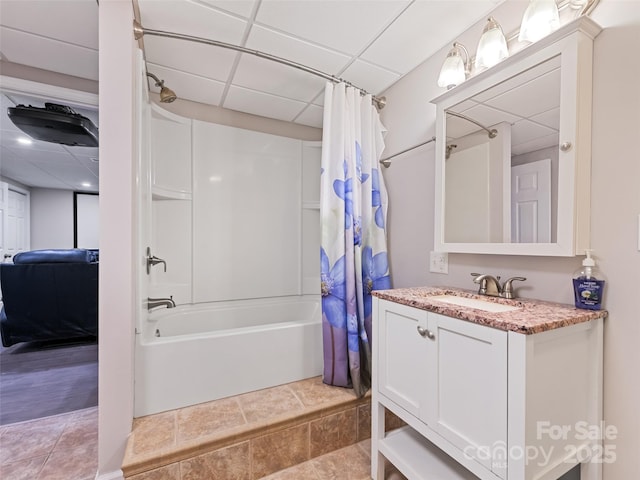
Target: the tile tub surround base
(244, 434)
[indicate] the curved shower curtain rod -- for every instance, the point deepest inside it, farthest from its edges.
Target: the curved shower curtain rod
(491, 133)
(139, 31)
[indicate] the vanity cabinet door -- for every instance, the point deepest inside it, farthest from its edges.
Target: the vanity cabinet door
(466, 400)
(402, 355)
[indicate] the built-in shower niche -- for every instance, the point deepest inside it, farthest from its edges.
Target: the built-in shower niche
(235, 212)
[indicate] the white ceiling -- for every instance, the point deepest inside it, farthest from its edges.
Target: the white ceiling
(45, 164)
(371, 43)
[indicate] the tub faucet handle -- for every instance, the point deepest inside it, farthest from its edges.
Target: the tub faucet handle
(153, 260)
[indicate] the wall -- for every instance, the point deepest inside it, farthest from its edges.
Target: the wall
(247, 207)
(51, 218)
(410, 120)
(231, 118)
(117, 234)
(47, 77)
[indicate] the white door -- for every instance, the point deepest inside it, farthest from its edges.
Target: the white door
(467, 395)
(16, 229)
(531, 202)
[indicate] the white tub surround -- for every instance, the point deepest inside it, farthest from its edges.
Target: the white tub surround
(234, 213)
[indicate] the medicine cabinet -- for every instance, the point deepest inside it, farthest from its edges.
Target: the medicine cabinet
(526, 190)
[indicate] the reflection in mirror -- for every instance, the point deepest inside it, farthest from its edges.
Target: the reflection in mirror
(505, 189)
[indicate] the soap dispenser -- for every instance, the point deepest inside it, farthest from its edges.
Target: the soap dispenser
(588, 285)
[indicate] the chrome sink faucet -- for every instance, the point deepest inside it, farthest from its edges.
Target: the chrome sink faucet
(160, 302)
(490, 285)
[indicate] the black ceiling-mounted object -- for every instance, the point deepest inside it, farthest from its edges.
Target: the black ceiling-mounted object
(55, 123)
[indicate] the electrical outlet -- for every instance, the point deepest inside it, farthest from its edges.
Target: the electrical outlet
(439, 262)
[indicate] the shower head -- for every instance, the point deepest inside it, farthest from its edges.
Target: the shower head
(166, 94)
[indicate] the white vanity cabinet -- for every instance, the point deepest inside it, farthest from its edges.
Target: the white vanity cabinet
(474, 397)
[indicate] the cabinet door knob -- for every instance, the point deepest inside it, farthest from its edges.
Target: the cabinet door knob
(565, 146)
(426, 333)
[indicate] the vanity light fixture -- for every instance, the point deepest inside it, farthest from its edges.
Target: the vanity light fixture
(455, 69)
(540, 19)
(492, 47)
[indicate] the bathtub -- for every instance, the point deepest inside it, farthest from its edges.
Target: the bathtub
(197, 353)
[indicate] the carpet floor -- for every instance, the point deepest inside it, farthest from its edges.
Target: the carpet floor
(40, 379)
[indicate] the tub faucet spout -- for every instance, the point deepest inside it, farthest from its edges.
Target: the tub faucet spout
(160, 302)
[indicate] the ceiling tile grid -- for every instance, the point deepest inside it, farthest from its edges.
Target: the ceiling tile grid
(370, 43)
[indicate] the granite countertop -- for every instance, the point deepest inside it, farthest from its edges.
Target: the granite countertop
(532, 316)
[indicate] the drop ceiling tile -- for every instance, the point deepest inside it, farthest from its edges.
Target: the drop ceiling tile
(89, 164)
(10, 141)
(191, 18)
(270, 77)
(550, 118)
(536, 144)
(353, 23)
(488, 116)
(531, 75)
(525, 131)
(243, 8)
(258, 103)
(463, 106)
(82, 152)
(47, 160)
(69, 174)
(369, 77)
(25, 172)
(51, 19)
(410, 39)
(47, 54)
(187, 86)
(291, 48)
(203, 60)
(311, 116)
(531, 98)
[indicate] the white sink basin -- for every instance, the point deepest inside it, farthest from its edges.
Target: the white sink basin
(474, 303)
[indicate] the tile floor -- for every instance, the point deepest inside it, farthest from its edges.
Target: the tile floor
(61, 447)
(306, 418)
(65, 446)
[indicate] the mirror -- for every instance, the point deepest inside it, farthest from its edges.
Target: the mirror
(513, 152)
(511, 180)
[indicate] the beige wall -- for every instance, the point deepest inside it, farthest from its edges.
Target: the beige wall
(231, 118)
(410, 118)
(47, 77)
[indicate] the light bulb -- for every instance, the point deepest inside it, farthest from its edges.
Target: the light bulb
(492, 47)
(540, 19)
(454, 69)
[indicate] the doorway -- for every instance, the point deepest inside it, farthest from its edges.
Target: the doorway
(37, 185)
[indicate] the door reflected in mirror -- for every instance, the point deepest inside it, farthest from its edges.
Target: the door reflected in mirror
(505, 189)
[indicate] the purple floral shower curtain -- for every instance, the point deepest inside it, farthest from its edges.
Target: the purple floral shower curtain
(353, 254)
